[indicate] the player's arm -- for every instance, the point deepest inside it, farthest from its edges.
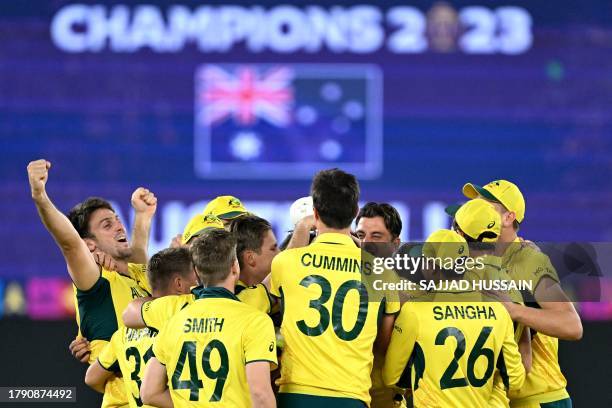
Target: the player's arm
(154, 390)
(144, 203)
(259, 297)
(260, 386)
(132, 315)
(301, 233)
(105, 366)
(509, 362)
(385, 329)
(97, 376)
(259, 345)
(82, 268)
(556, 316)
(524, 346)
(395, 370)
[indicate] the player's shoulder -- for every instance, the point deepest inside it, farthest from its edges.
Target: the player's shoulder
(415, 307)
(136, 267)
(290, 254)
(531, 254)
(174, 300)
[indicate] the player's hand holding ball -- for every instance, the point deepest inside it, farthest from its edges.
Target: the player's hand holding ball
(144, 201)
(38, 174)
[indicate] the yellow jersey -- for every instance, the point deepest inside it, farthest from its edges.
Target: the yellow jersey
(156, 312)
(330, 320)
(545, 382)
(207, 345)
(449, 351)
(98, 315)
(130, 349)
(493, 271)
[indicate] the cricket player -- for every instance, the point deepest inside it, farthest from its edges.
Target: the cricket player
(217, 351)
(378, 227)
(550, 315)
(256, 248)
(329, 322)
(449, 345)
(170, 272)
(100, 294)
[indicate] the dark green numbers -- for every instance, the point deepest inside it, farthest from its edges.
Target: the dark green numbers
(337, 308)
(194, 384)
(447, 380)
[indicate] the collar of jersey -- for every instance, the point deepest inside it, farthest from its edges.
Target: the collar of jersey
(201, 292)
(335, 239)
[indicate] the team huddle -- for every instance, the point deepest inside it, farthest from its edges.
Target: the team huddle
(228, 317)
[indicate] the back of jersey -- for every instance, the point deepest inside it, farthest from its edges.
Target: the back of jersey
(455, 348)
(207, 345)
(329, 320)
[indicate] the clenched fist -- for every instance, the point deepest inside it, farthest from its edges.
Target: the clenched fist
(144, 201)
(38, 174)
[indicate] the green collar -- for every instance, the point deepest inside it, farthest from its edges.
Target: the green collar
(201, 292)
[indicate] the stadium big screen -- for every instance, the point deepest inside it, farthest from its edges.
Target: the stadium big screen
(194, 100)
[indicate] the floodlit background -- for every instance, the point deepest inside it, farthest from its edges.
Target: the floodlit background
(250, 99)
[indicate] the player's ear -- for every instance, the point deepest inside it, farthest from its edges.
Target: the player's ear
(235, 268)
(91, 244)
(509, 218)
(249, 258)
(178, 283)
(396, 241)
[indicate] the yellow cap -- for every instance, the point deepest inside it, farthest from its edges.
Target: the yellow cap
(477, 217)
(500, 191)
(444, 244)
(225, 207)
(198, 224)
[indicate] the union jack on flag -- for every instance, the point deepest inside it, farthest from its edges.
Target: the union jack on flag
(246, 95)
(288, 120)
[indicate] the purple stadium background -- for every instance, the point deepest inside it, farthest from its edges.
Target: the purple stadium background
(110, 121)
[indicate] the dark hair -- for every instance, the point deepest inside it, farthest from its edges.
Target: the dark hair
(477, 243)
(81, 213)
(335, 196)
(387, 212)
(167, 263)
(213, 254)
(250, 231)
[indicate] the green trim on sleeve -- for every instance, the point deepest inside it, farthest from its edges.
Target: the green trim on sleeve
(98, 320)
(114, 368)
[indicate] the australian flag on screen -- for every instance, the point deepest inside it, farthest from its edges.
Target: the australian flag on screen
(287, 120)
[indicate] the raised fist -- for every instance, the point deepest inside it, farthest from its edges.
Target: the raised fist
(38, 173)
(144, 201)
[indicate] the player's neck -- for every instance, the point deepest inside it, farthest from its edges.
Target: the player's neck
(122, 267)
(229, 284)
(248, 279)
(324, 229)
(506, 238)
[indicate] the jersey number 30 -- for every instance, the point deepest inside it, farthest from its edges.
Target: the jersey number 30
(337, 307)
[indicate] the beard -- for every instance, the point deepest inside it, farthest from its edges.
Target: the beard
(119, 253)
(122, 254)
